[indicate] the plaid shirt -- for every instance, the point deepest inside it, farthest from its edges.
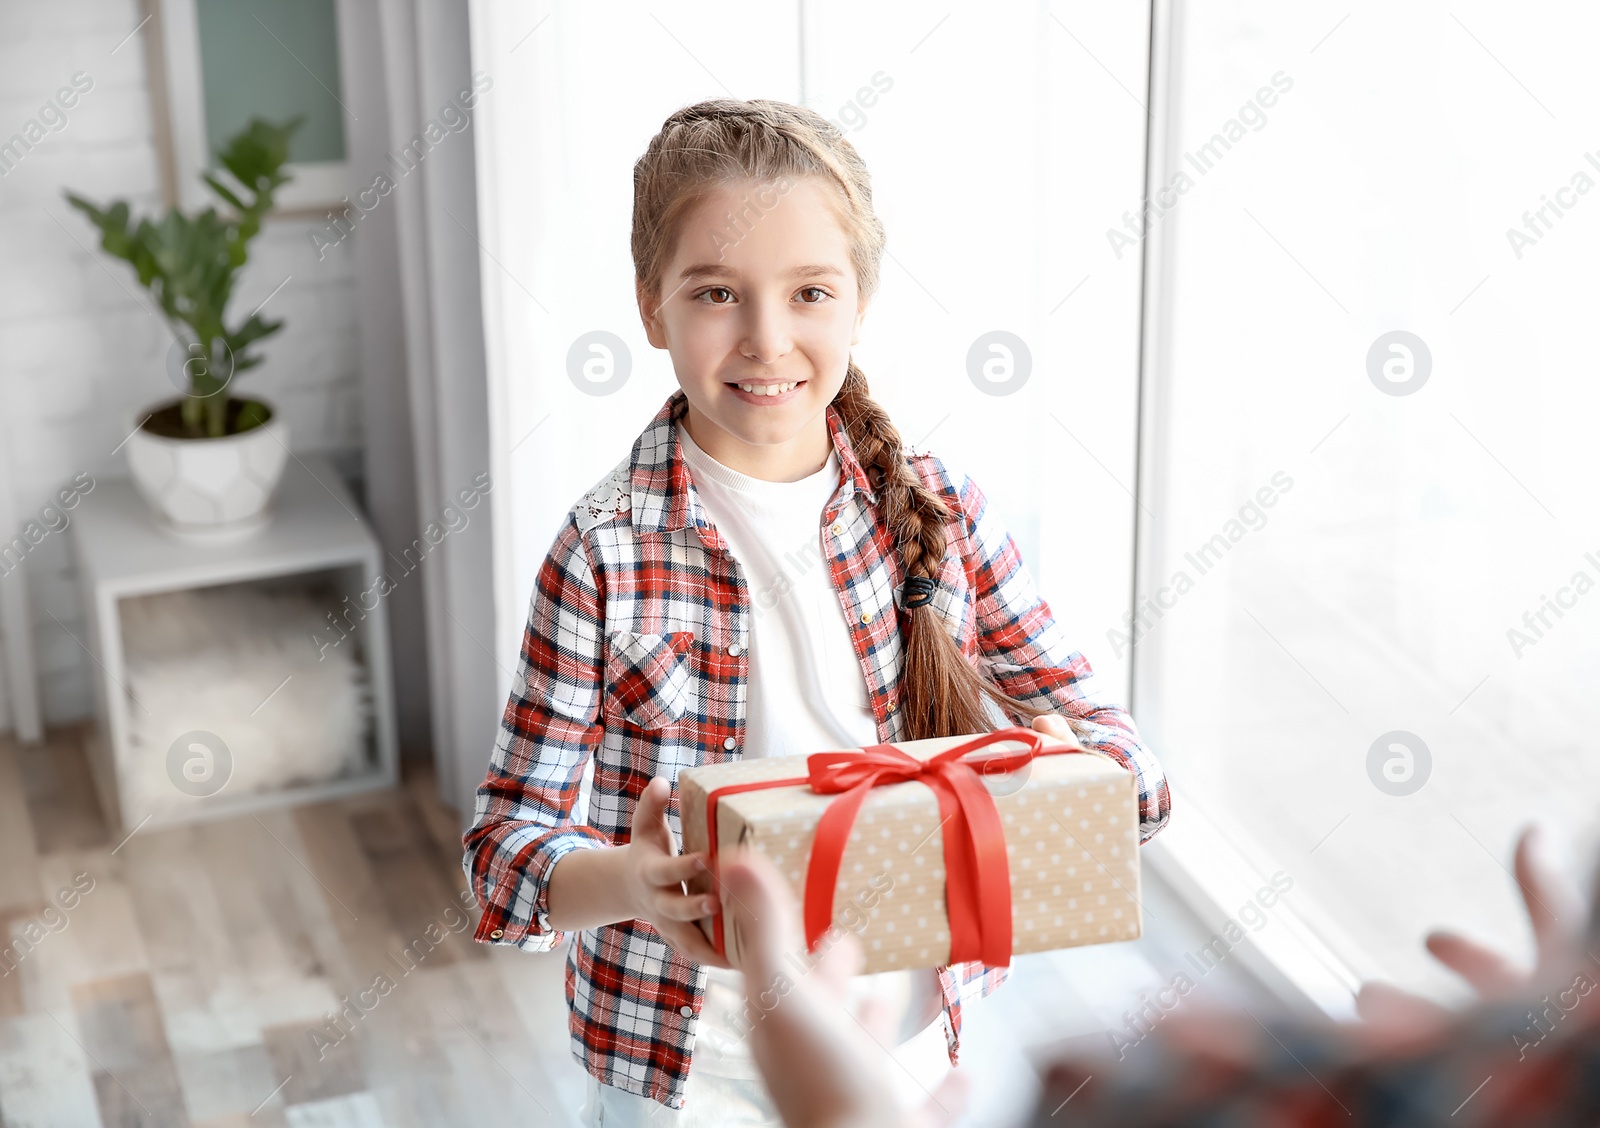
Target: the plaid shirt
(635, 656)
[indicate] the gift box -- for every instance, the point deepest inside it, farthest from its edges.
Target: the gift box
(935, 851)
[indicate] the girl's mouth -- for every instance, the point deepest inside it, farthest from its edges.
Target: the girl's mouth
(765, 394)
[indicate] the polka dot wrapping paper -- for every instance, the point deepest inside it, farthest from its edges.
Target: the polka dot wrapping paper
(1071, 826)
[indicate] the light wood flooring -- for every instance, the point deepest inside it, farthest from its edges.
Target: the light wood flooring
(185, 986)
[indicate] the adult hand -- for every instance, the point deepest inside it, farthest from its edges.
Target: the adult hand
(654, 876)
(817, 1060)
(1556, 910)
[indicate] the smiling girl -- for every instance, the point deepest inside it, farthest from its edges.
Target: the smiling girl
(768, 572)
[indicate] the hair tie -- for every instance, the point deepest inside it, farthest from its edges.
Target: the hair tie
(917, 592)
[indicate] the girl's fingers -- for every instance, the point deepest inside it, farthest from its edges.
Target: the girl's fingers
(650, 813)
(669, 906)
(1057, 726)
(667, 872)
(646, 810)
(688, 941)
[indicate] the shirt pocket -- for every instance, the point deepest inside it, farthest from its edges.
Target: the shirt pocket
(647, 677)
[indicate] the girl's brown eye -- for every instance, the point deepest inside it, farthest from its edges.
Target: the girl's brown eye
(718, 290)
(815, 290)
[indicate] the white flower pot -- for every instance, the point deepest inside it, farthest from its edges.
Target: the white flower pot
(210, 490)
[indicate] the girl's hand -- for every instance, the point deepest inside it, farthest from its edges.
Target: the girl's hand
(654, 874)
(1054, 724)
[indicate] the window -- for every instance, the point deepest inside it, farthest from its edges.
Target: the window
(1368, 628)
(221, 62)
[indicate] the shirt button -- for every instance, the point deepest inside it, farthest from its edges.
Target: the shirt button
(838, 528)
(891, 707)
(866, 616)
(736, 650)
(728, 743)
(686, 1011)
(497, 933)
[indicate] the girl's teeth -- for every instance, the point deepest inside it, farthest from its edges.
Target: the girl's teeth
(767, 390)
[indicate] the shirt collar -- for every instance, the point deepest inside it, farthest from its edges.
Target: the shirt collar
(663, 495)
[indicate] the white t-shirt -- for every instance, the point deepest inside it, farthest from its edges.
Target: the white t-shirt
(806, 689)
(807, 693)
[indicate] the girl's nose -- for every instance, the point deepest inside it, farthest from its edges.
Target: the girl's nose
(767, 338)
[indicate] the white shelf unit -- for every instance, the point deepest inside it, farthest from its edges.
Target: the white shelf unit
(316, 528)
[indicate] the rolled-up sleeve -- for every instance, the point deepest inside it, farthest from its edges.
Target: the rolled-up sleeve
(1024, 651)
(522, 821)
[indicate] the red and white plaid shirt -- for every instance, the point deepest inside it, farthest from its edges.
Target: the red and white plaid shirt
(635, 656)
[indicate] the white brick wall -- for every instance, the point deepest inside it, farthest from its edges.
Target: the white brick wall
(80, 351)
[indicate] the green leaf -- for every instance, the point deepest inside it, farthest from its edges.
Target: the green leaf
(223, 190)
(256, 156)
(251, 331)
(190, 263)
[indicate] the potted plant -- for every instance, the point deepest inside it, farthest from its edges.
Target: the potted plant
(208, 461)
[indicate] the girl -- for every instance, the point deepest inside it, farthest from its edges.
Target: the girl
(768, 572)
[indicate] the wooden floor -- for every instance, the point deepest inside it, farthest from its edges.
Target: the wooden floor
(196, 980)
(193, 983)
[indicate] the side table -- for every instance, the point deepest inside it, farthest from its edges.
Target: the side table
(316, 532)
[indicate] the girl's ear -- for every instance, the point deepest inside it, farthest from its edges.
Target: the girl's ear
(855, 332)
(650, 315)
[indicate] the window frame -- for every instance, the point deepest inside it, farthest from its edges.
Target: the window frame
(177, 95)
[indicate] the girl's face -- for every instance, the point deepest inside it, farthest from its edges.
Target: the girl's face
(760, 297)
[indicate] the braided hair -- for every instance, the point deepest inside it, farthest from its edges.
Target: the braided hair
(716, 143)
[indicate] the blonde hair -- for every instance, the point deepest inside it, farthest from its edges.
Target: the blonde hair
(721, 142)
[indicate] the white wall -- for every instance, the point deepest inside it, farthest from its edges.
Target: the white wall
(79, 353)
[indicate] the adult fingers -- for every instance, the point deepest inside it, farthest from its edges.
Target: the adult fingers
(945, 1104)
(1554, 903)
(1490, 973)
(841, 962)
(1396, 1020)
(764, 908)
(817, 1062)
(878, 1017)
(1555, 912)
(1383, 1004)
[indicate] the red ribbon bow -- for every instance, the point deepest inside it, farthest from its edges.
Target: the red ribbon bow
(978, 877)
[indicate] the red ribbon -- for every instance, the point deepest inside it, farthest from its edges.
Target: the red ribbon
(978, 878)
